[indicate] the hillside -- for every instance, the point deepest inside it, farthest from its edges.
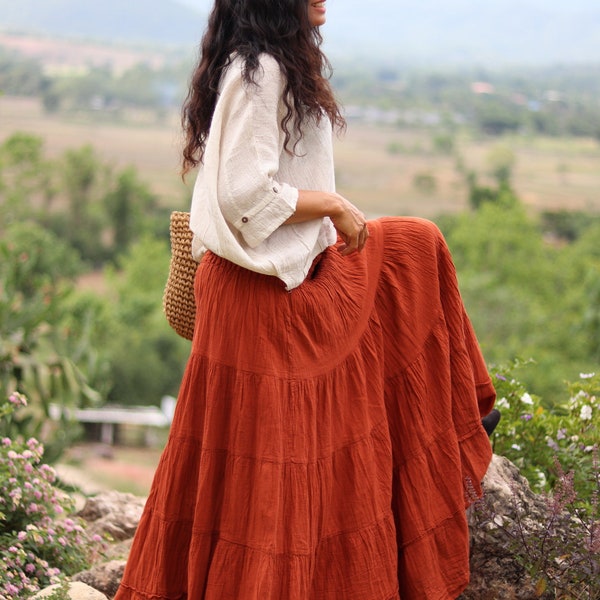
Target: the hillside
(154, 21)
(428, 32)
(497, 31)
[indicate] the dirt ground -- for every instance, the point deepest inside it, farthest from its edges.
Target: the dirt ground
(94, 468)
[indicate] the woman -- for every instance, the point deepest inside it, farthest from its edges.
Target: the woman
(327, 436)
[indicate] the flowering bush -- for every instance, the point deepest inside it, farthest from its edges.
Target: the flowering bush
(39, 541)
(534, 436)
(556, 449)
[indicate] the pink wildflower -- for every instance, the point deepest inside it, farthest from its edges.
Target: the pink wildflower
(17, 399)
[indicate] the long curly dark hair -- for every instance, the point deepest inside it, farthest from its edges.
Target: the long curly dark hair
(249, 27)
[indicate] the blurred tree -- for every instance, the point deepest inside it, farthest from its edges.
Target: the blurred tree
(501, 161)
(581, 261)
(444, 142)
(85, 327)
(20, 76)
(127, 207)
(590, 323)
(138, 86)
(25, 177)
(481, 194)
(147, 358)
(36, 271)
(84, 180)
(567, 225)
(496, 116)
(91, 91)
(425, 182)
(524, 296)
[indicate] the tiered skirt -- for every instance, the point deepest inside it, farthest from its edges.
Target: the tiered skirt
(327, 440)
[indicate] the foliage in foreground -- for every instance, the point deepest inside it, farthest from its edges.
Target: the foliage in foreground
(40, 539)
(559, 547)
(534, 437)
(557, 451)
(38, 357)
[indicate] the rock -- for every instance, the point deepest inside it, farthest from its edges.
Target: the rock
(503, 483)
(77, 591)
(496, 573)
(113, 513)
(104, 577)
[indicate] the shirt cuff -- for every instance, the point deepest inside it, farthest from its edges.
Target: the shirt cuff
(258, 223)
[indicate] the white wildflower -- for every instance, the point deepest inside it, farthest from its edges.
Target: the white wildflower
(579, 396)
(526, 398)
(516, 447)
(586, 413)
(503, 403)
(586, 375)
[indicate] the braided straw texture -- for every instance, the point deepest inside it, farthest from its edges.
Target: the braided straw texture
(178, 299)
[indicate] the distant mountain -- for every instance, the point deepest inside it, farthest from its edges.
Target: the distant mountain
(459, 31)
(132, 21)
(427, 31)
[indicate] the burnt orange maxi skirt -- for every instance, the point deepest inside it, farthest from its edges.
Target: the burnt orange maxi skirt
(324, 438)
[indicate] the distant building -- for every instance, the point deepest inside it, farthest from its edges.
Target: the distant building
(482, 87)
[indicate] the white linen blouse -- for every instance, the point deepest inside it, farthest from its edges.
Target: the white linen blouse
(247, 185)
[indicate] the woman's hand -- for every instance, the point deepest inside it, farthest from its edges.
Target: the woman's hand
(349, 222)
(351, 226)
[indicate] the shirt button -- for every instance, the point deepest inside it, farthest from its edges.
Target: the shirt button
(244, 219)
(276, 190)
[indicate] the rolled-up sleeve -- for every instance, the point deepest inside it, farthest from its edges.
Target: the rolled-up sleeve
(250, 197)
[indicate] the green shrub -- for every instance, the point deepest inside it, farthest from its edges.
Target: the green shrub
(37, 271)
(534, 436)
(557, 451)
(425, 182)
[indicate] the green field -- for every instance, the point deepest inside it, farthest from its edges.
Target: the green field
(376, 166)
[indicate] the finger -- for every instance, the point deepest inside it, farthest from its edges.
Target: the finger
(351, 246)
(346, 250)
(363, 237)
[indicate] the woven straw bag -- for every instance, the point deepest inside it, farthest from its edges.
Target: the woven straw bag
(178, 299)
